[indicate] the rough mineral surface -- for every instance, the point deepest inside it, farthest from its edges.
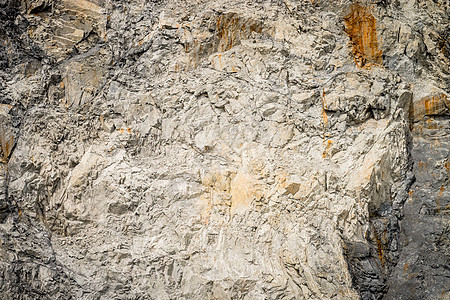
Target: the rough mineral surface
(266, 149)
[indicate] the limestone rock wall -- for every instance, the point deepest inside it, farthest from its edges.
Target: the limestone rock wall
(224, 149)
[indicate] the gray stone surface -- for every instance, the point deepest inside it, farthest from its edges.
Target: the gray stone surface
(224, 149)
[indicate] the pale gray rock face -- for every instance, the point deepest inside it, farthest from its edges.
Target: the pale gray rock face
(224, 149)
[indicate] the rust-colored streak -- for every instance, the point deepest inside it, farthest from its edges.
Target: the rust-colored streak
(327, 149)
(405, 267)
(231, 29)
(324, 117)
(430, 106)
(124, 130)
(325, 123)
(6, 145)
(441, 190)
(380, 249)
(324, 113)
(360, 25)
(422, 165)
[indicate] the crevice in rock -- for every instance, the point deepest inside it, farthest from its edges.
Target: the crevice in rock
(372, 262)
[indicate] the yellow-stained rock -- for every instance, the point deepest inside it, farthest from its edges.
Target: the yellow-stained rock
(242, 192)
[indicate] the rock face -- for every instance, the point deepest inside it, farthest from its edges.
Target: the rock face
(224, 149)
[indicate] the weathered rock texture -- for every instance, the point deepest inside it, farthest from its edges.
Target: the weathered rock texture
(224, 149)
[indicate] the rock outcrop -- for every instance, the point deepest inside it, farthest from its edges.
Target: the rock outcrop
(224, 149)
